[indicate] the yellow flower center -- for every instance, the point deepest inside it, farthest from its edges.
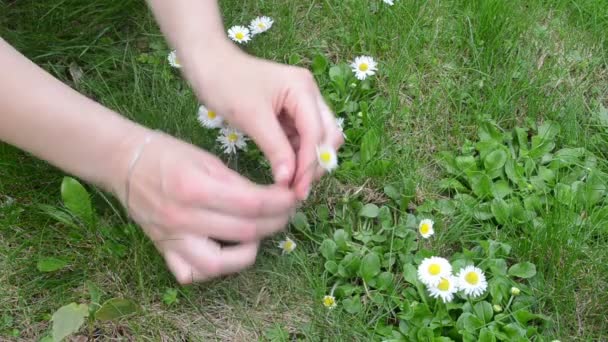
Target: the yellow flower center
(239, 35)
(434, 269)
(328, 301)
(211, 114)
(176, 60)
(444, 284)
(472, 278)
(325, 157)
(288, 245)
(425, 228)
(262, 26)
(363, 66)
(232, 137)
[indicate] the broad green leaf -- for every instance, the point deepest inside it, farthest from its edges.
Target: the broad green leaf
(349, 266)
(501, 189)
(548, 130)
(448, 162)
(294, 59)
(331, 267)
(452, 184)
(370, 144)
(514, 331)
(170, 296)
(76, 199)
(116, 308)
(469, 322)
(521, 135)
(523, 270)
(352, 305)
(567, 157)
(483, 212)
(392, 192)
(495, 160)
(518, 214)
(564, 194)
(59, 215)
(481, 184)
(319, 64)
(369, 210)
(483, 310)
(485, 335)
(466, 163)
(335, 73)
(68, 320)
(370, 266)
(523, 316)
(546, 174)
(95, 292)
(341, 238)
(50, 264)
(425, 334)
(410, 274)
(384, 280)
(501, 210)
(489, 131)
(540, 147)
(497, 266)
(514, 171)
(300, 222)
(594, 190)
(328, 249)
(499, 288)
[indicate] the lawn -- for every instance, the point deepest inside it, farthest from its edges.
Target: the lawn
(487, 116)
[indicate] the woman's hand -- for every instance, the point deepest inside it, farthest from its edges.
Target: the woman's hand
(185, 198)
(278, 106)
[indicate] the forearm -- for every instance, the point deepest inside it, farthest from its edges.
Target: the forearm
(47, 118)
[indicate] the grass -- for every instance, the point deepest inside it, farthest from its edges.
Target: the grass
(445, 65)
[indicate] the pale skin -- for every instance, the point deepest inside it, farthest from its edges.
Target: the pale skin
(183, 197)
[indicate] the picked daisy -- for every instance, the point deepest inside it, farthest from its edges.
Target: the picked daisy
(445, 289)
(389, 2)
(327, 157)
(209, 118)
(340, 123)
(239, 34)
(329, 302)
(287, 245)
(364, 66)
(426, 228)
(472, 281)
(260, 24)
(231, 139)
(173, 61)
(433, 269)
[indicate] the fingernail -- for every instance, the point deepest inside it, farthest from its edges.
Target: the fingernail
(282, 174)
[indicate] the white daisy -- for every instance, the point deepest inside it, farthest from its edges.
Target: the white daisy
(364, 66)
(239, 34)
(327, 158)
(389, 2)
(432, 269)
(260, 24)
(231, 139)
(472, 281)
(287, 245)
(426, 228)
(173, 61)
(340, 123)
(329, 302)
(209, 118)
(445, 289)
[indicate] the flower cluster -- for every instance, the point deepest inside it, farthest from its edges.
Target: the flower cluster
(436, 274)
(242, 34)
(230, 138)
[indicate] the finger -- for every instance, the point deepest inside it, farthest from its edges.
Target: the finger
(181, 269)
(333, 133)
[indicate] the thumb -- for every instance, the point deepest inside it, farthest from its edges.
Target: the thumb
(270, 137)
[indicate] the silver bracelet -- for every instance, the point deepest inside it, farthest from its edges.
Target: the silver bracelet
(136, 155)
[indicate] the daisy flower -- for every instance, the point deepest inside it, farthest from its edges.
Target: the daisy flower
(327, 158)
(260, 24)
(173, 61)
(209, 118)
(364, 66)
(426, 228)
(432, 269)
(329, 302)
(340, 123)
(445, 289)
(231, 139)
(239, 34)
(389, 2)
(472, 281)
(287, 245)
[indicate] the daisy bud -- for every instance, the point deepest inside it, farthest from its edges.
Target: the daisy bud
(515, 291)
(497, 308)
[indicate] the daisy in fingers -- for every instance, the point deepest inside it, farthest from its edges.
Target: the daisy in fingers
(364, 66)
(209, 118)
(287, 245)
(472, 281)
(329, 302)
(239, 34)
(260, 24)
(433, 269)
(426, 228)
(327, 157)
(445, 289)
(231, 139)
(173, 61)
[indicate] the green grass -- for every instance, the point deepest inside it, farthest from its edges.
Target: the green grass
(444, 67)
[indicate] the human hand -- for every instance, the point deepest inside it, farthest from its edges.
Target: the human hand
(184, 199)
(279, 106)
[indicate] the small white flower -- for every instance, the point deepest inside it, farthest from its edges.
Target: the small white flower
(287, 245)
(472, 281)
(445, 289)
(389, 2)
(231, 139)
(260, 24)
(327, 158)
(432, 269)
(209, 118)
(239, 34)
(340, 123)
(173, 61)
(426, 228)
(329, 302)
(364, 66)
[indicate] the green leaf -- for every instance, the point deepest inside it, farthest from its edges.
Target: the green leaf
(341, 238)
(369, 210)
(481, 184)
(447, 161)
(68, 320)
(489, 131)
(116, 308)
(76, 199)
(352, 305)
(501, 210)
(523, 270)
(540, 147)
(392, 192)
(384, 281)
(410, 274)
(452, 184)
(59, 215)
(336, 73)
(495, 160)
(370, 144)
(331, 267)
(328, 249)
(483, 310)
(170, 296)
(94, 292)
(370, 266)
(548, 130)
(501, 189)
(50, 264)
(485, 335)
(524, 316)
(498, 266)
(300, 222)
(319, 64)
(469, 322)
(466, 163)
